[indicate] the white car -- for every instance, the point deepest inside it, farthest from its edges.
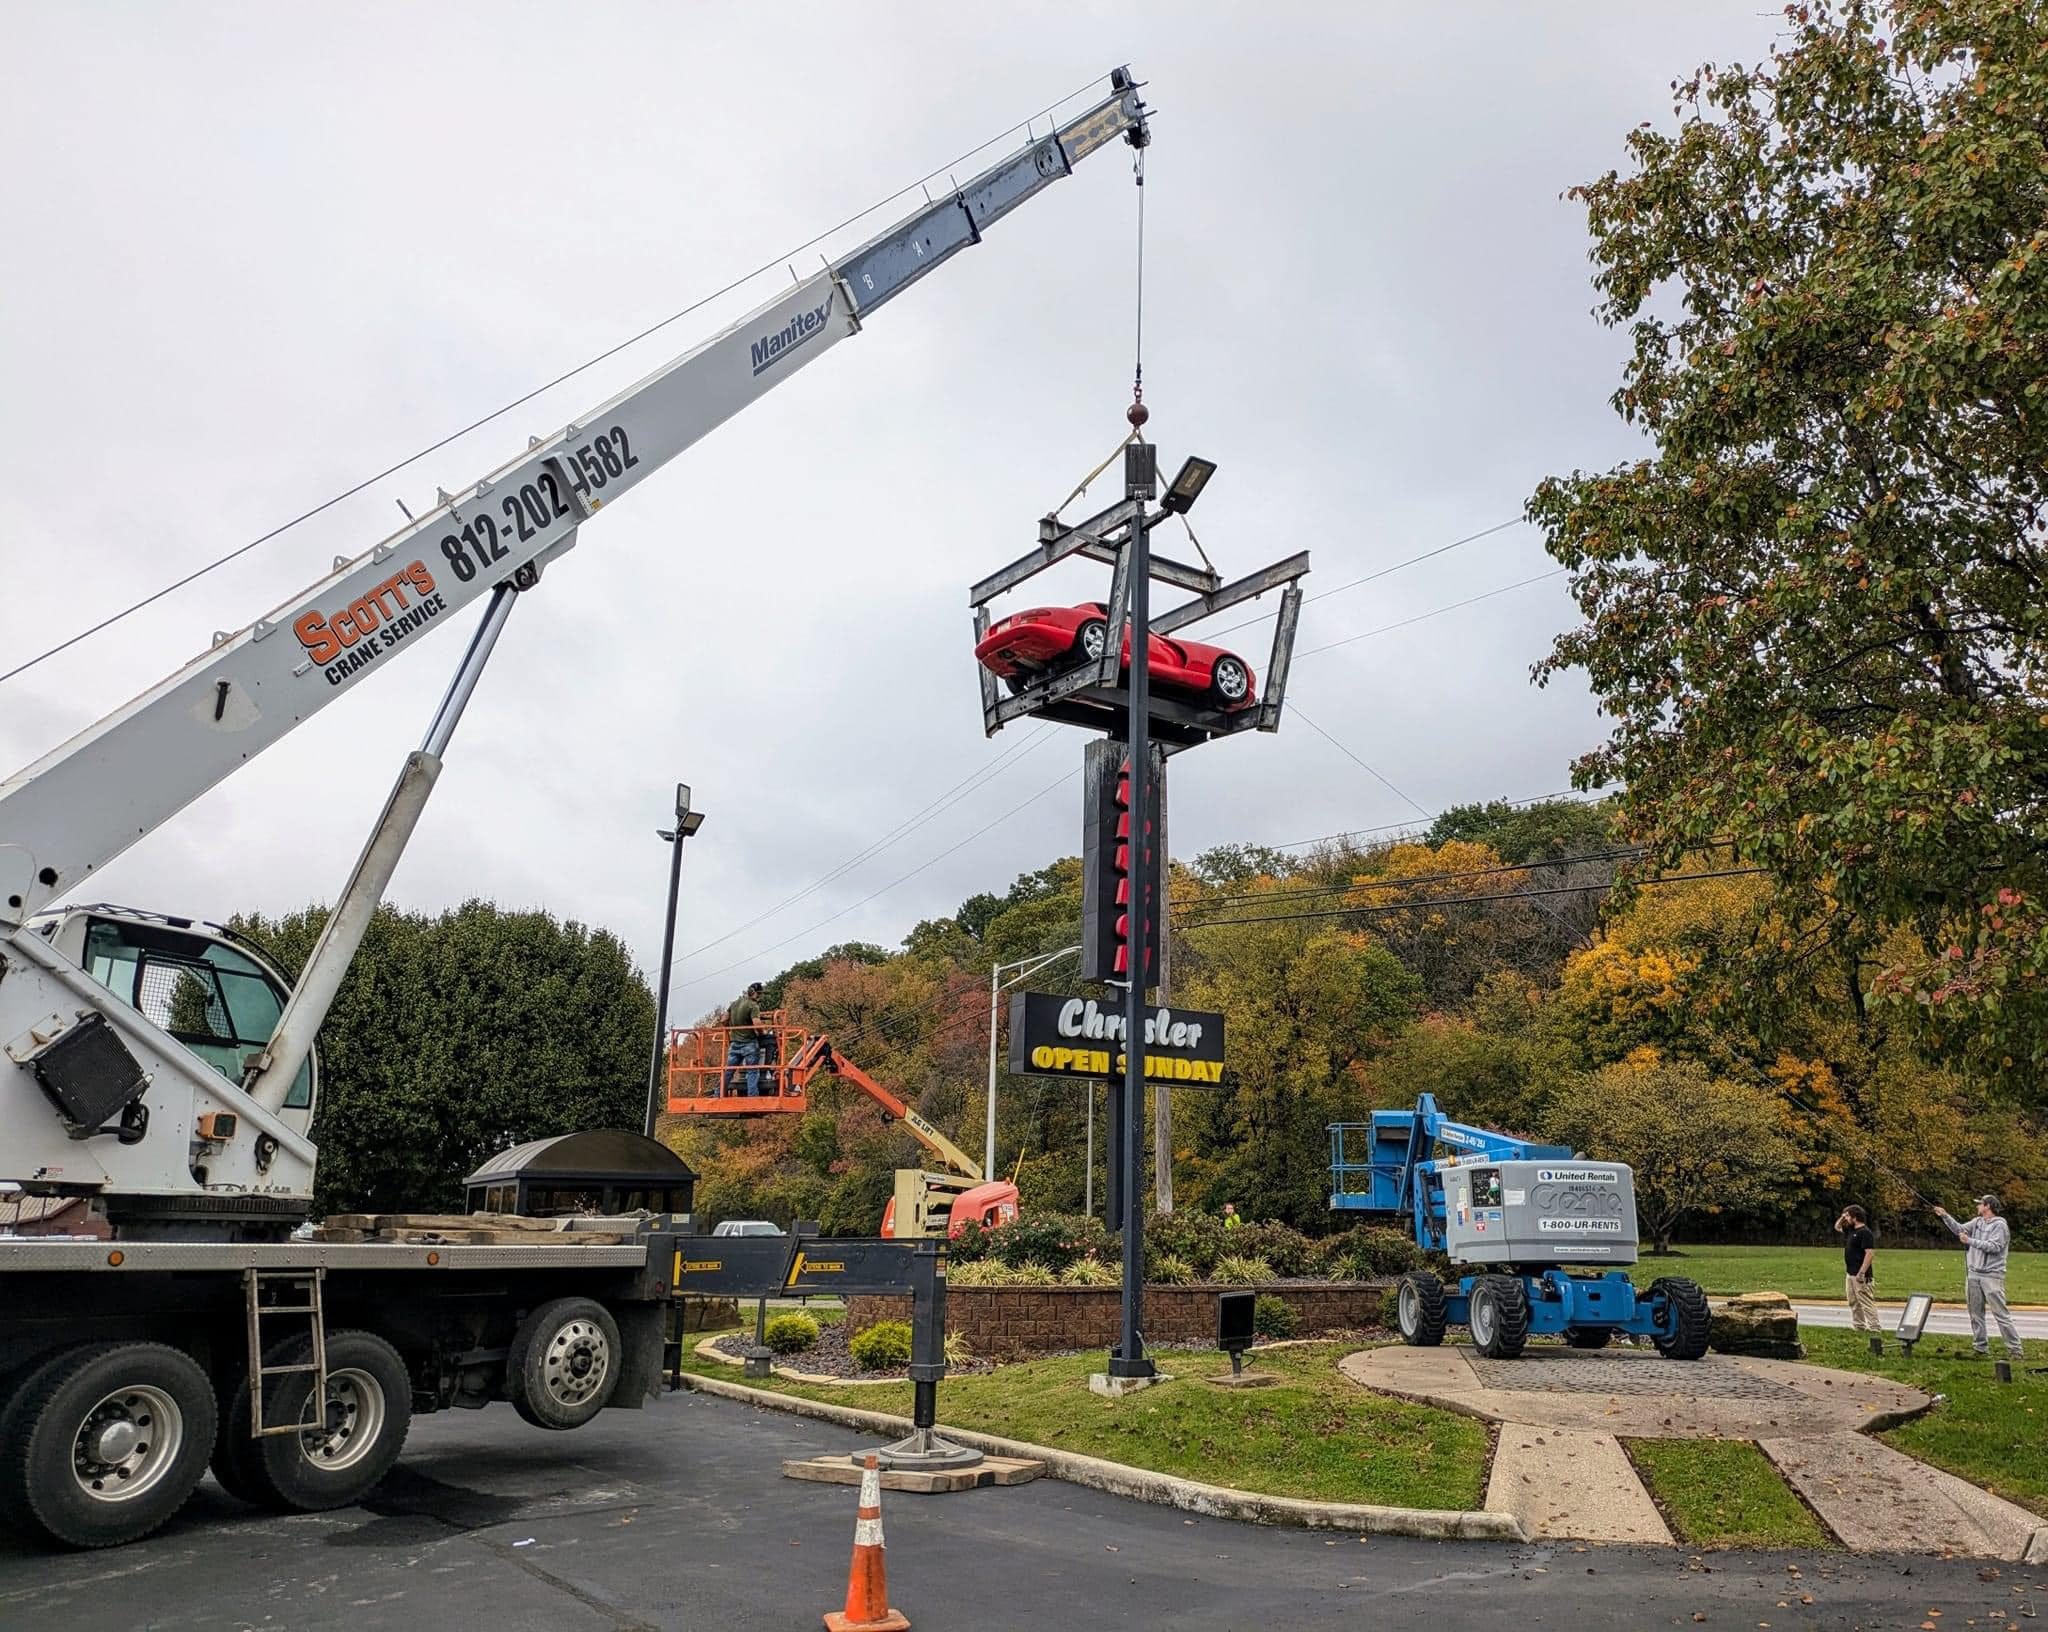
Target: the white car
(746, 1226)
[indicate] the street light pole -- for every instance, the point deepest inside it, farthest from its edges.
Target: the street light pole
(687, 823)
(1027, 967)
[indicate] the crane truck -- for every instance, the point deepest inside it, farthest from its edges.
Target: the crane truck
(166, 1071)
(1546, 1230)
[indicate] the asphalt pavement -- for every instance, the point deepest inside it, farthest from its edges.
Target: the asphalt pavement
(1942, 1321)
(677, 1517)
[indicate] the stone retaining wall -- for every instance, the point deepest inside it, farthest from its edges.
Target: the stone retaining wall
(1006, 1322)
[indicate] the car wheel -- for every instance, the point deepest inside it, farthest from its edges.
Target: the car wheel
(1231, 681)
(105, 1443)
(564, 1363)
(1091, 639)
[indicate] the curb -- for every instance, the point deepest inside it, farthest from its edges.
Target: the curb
(1161, 1489)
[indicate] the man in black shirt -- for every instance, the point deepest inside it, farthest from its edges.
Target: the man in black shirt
(1859, 1259)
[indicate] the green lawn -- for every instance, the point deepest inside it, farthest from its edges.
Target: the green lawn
(1724, 1493)
(1816, 1272)
(1994, 1435)
(1313, 1435)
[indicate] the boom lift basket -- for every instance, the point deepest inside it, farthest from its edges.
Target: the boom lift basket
(701, 1083)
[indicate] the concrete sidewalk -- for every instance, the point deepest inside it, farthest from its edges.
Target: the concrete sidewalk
(1560, 1468)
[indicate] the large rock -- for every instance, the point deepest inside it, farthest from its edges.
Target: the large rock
(1759, 1323)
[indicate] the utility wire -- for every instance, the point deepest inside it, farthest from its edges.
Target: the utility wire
(1418, 880)
(1459, 901)
(1413, 560)
(1391, 827)
(1420, 617)
(1012, 812)
(766, 266)
(1361, 764)
(937, 807)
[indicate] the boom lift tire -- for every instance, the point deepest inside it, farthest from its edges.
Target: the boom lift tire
(361, 1432)
(1588, 1337)
(104, 1442)
(564, 1363)
(1419, 1309)
(1688, 1336)
(1500, 1316)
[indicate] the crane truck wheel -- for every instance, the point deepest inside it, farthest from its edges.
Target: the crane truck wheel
(564, 1363)
(103, 1443)
(335, 1459)
(1419, 1309)
(1682, 1333)
(1500, 1316)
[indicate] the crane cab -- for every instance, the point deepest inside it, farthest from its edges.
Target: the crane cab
(202, 984)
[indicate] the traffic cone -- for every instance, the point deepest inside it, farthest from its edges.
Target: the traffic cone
(867, 1578)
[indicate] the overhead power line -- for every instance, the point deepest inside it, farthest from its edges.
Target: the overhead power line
(767, 266)
(1411, 827)
(1012, 812)
(1383, 572)
(1463, 900)
(1435, 612)
(937, 807)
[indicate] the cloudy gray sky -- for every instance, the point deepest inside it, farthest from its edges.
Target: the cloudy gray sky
(254, 253)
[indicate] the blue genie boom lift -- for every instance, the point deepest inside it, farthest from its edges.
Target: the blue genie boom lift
(1533, 1220)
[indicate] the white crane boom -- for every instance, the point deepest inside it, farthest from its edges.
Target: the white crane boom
(189, 1144)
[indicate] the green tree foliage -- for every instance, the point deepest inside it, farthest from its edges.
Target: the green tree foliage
(1305, 1007)
(1542, 830)
(456, 1035)
(1697, 1143)
(1815, 609)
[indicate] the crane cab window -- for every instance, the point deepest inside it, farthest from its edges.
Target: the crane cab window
(218, 1002)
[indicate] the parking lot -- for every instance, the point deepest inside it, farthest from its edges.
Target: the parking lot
(677, 1517)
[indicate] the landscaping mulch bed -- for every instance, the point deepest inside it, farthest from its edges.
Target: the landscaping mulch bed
(828, 1357)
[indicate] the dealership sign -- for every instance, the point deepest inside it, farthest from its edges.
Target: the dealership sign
(1079, 1037)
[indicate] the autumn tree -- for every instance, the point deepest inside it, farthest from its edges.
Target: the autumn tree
(1814, 609)
(1696, 1142)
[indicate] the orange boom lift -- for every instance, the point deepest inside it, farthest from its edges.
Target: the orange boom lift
(700, 1083)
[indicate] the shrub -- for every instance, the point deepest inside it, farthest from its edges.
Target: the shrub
(978, 1272)
(1090, 1272)
(1241, 1271)
(1169, 1270)
(1197, 1238)
(1273, 1316)
(882, 1345)
(1281, 1245)
(791, 1333)
(957, 1352)
(970, 1245)
(1054, 1240)
(1369, 1251)
(1029, 1274)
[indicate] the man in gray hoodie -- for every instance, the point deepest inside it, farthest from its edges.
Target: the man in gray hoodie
(1989, 1238)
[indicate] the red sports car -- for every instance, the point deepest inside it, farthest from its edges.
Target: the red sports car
(1027, 645)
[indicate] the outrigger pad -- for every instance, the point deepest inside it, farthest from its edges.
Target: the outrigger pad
(89, 1074)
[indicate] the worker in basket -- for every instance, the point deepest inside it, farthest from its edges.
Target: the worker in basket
(745, 1043)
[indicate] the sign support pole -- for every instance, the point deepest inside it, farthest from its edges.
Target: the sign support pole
(1141, 482)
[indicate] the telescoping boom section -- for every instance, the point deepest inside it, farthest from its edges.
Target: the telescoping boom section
(104, 1100)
